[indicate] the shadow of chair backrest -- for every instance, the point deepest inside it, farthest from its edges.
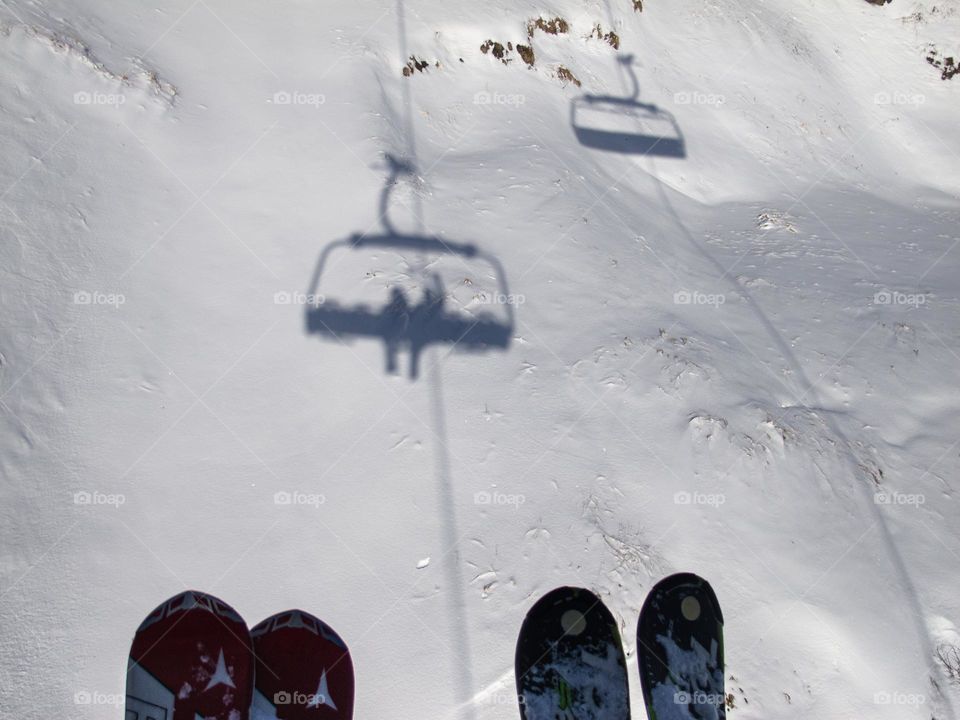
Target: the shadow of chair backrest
(404, 325)
(626, 125)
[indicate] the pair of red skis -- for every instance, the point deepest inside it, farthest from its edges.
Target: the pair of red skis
(193, 657)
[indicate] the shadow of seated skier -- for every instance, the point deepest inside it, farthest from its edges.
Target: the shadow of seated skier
(624, 124)
(425, 322)
(415, 326)
(396, 323)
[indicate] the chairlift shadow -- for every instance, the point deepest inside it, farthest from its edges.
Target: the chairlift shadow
(626, 125)
(400, 324)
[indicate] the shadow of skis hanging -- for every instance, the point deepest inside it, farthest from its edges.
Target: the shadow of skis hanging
(415, 305)
(570, 662)
(626, 125)
(680, 650)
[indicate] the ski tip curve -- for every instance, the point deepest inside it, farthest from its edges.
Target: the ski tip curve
(299, 619)
(692, 582)
(190, 600)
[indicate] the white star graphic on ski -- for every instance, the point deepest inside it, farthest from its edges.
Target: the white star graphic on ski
(220, 675)
(322, 695)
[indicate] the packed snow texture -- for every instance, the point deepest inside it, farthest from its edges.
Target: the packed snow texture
(721, 336)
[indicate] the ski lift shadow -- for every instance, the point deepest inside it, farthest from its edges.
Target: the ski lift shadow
(400, 324)
(626, 125)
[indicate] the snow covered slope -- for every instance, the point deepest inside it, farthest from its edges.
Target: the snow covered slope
(731, 336)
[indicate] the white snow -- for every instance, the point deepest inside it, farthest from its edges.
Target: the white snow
(741, 361)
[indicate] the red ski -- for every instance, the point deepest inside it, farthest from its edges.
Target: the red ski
(191, 658)
(304, 671)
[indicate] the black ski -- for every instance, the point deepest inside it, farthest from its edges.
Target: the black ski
(680, 650)
(570, 662)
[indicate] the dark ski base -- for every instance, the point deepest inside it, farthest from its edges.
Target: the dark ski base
(680, 650)
(570, 661)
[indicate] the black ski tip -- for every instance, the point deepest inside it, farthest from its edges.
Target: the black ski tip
(563, 614)
(569, 659)
(693, 584)
(680, 649)
(566, 597)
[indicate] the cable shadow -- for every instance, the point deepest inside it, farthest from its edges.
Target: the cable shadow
(401, 324)
(422, 326)
(624, 124)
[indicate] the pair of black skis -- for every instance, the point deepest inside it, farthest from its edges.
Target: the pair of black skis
(570, 663)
